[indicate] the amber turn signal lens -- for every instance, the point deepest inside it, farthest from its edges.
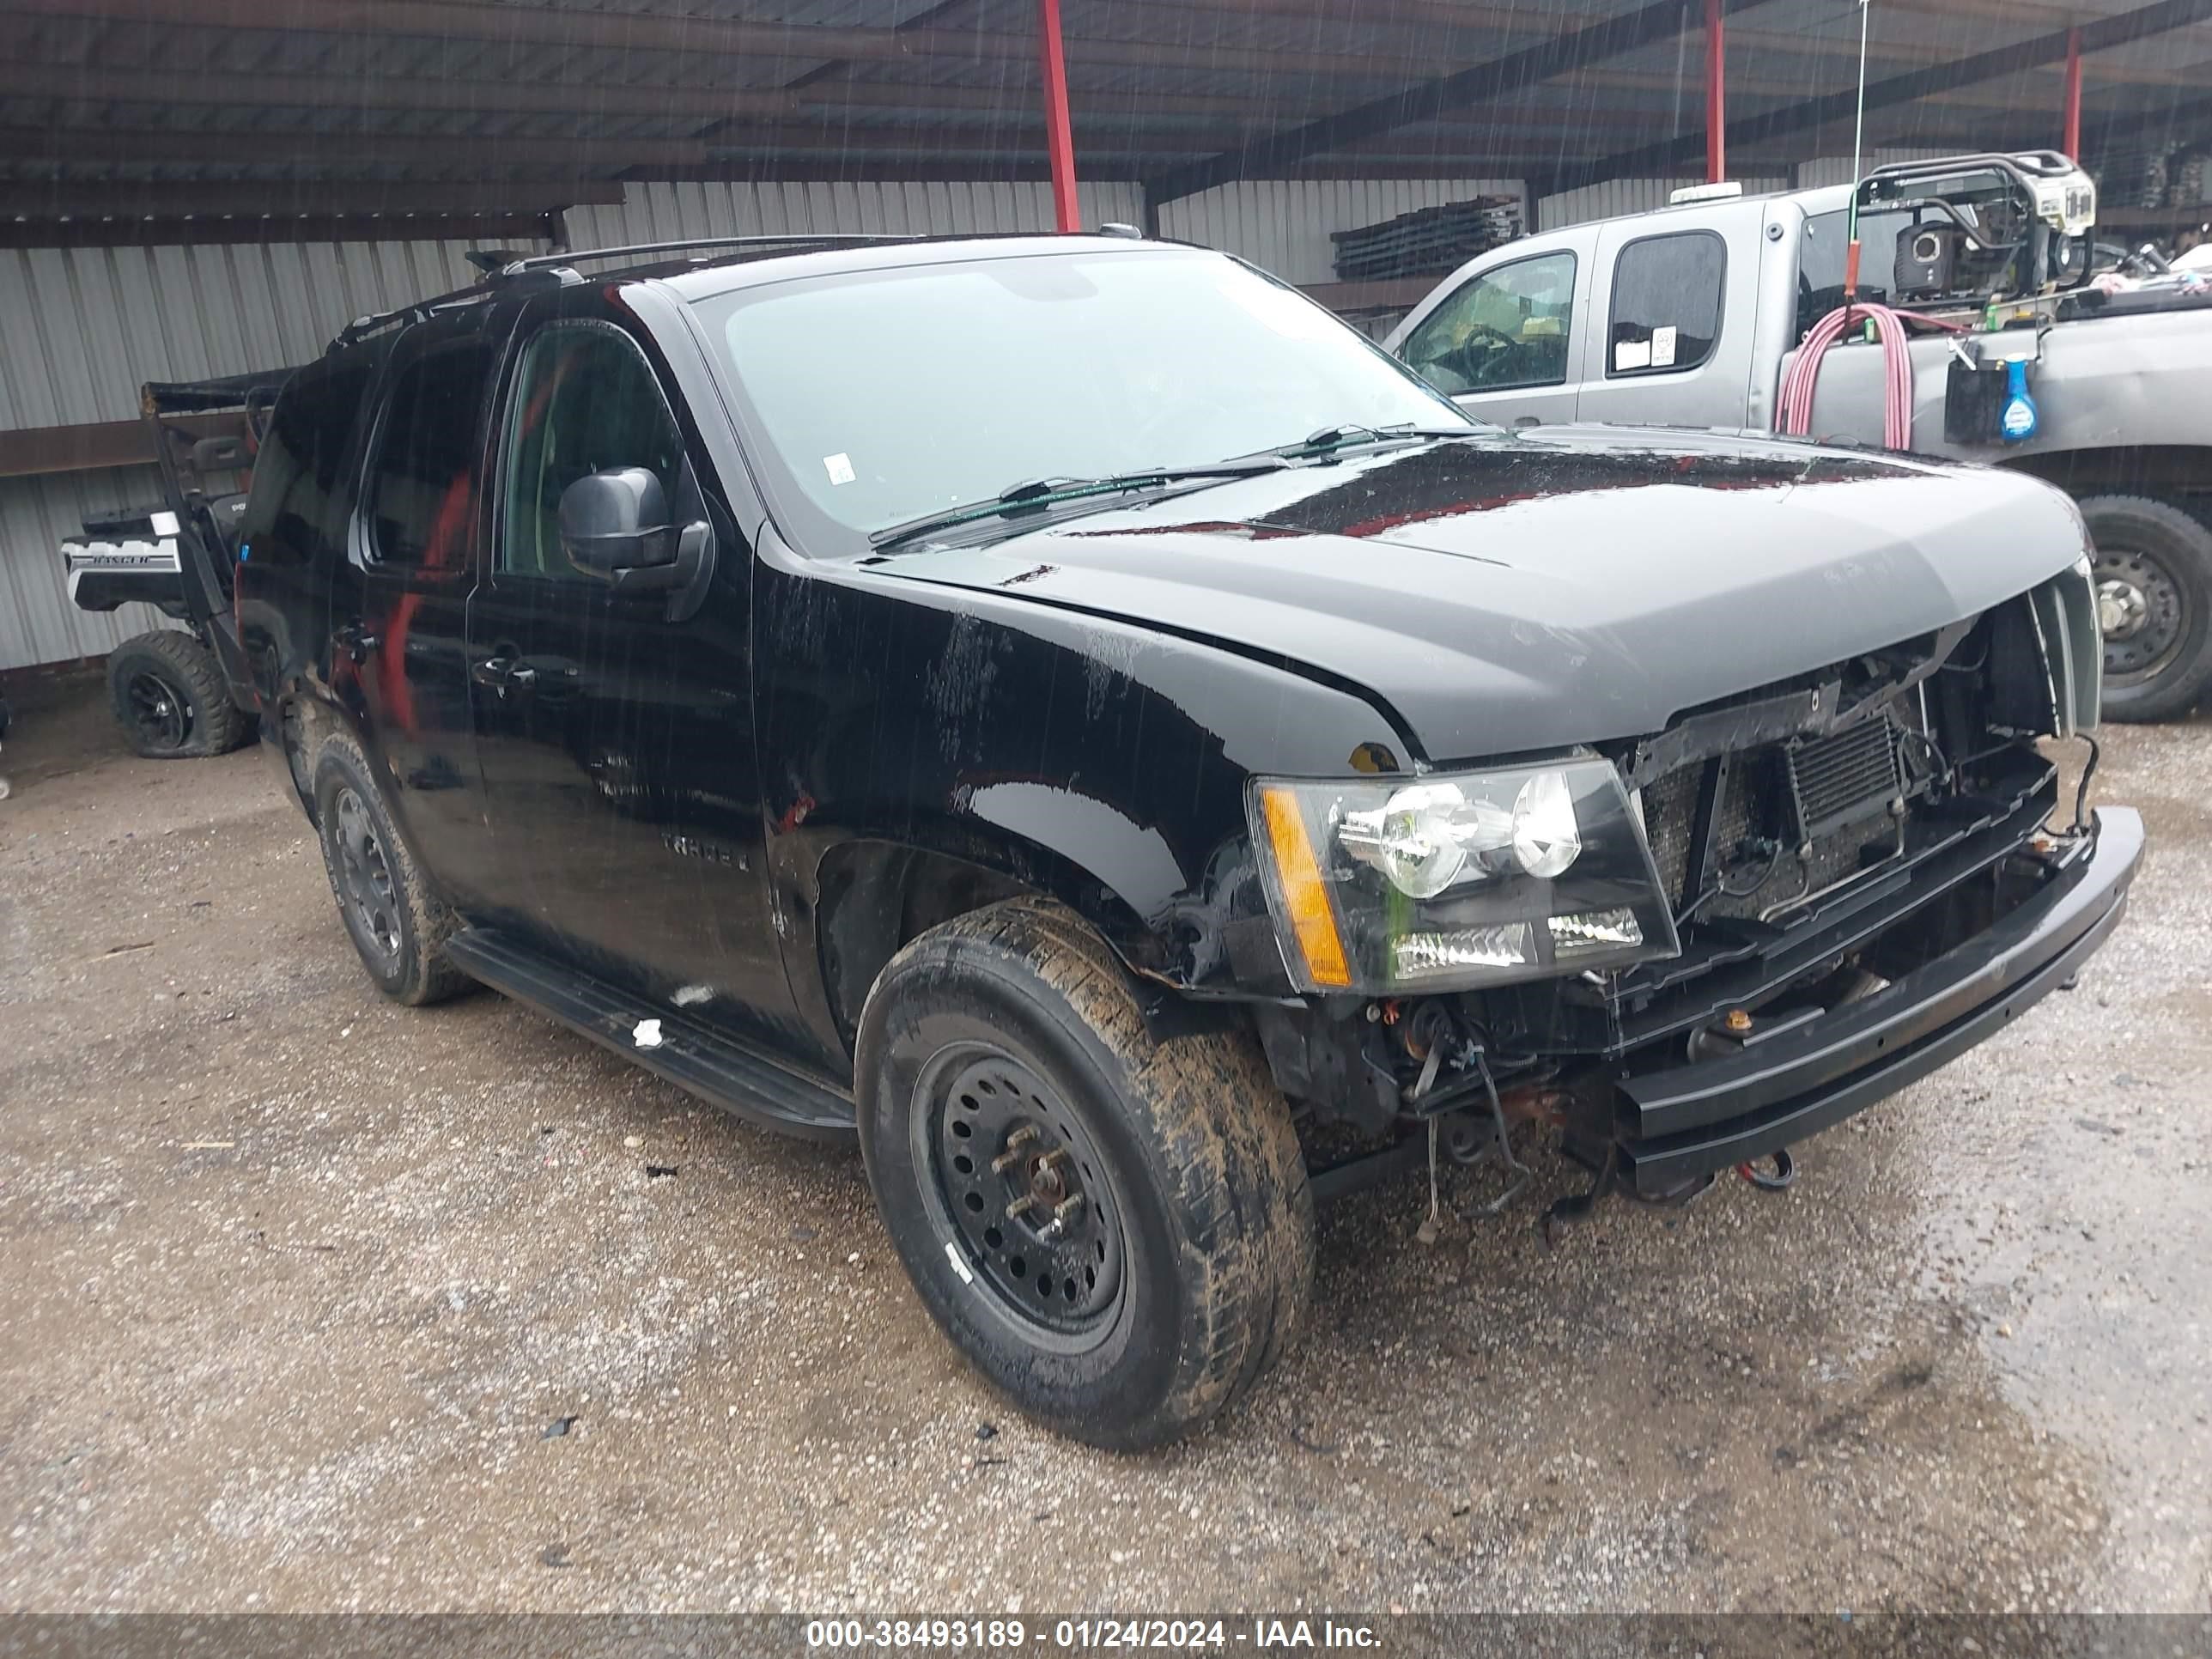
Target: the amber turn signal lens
(1303, 895)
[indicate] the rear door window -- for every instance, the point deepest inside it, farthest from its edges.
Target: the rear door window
(421, 492)
(1504, 329)
(1666, 303)
(298, 503)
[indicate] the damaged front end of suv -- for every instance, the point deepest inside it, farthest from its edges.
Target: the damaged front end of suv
(1688, 951)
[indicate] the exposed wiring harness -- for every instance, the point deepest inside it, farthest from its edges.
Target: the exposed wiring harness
(1803, 375)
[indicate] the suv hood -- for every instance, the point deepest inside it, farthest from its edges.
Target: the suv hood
(1560, 585)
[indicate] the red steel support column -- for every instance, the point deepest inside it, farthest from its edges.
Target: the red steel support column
(1059, 137)
(1716, 94)
(2071, 143)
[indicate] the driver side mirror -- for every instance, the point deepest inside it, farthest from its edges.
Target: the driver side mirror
(616, 522)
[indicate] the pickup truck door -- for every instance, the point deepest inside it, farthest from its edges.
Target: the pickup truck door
(1505, 339)
(616, 738)
(1673, 299)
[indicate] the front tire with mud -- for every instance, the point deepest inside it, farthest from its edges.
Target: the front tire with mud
(1116, 1229)
(397, 924)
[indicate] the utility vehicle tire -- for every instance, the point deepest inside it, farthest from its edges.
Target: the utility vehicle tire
(395, 921)
(170, 699)
(2153, 576)
(1116, 1231)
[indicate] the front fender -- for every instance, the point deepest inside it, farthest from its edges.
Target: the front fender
(1081, 757)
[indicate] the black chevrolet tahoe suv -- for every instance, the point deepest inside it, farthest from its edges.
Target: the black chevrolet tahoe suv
(1071, 714)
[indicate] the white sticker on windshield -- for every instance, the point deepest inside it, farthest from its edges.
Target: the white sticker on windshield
(1631, 354)
(840, 468)
(164, 523)
(1663, 347)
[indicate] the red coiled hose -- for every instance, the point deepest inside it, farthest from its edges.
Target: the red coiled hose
(1804, 373)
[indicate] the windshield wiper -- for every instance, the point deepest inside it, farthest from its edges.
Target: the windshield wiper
(1330, 439)
(1034, 492)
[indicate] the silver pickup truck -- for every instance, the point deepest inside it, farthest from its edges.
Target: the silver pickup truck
(1694, 315)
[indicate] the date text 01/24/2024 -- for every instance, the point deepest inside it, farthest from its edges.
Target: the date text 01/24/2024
(1006, 1635)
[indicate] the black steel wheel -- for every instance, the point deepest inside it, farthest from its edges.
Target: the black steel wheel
(2153, 570)
(170, 699)
(397, 924)
(1115, 1229)
(365, 887)
(1017, 1178)
(160, 714)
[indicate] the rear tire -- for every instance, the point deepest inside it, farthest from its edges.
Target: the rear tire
(398, 926)
(2153, 575)
(171, 698)
(1011, 1040)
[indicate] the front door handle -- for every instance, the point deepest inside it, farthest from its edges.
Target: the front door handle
(492, 671)
(356, 641)
(522, 674)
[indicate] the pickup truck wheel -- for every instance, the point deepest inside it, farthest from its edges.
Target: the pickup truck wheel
(396, 923)
(1117, 1230)
(2154, 574)
(170, 697)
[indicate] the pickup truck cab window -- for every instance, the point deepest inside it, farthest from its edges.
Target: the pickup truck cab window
(420, 487)
(585, 401)
(1666, 303)
(1083, 366)
(1506, 329)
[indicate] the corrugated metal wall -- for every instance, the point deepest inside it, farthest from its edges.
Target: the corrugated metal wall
(80, 328)
(1283, 225)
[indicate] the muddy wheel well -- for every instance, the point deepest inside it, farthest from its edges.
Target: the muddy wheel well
(2173, 472)
(876, 897)
(303, 723)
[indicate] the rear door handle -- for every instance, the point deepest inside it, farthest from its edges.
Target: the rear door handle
(492, 672)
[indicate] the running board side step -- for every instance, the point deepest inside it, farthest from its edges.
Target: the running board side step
(690, 1054)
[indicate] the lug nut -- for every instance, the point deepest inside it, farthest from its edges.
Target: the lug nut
(1066, 1210)
(1021, 1206)
(1055, 1159)
(1012, 1156)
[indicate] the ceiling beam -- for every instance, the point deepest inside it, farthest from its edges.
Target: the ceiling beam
(2120, 28)
(438, 94)
(1426, 99)
(23, 199)
(549, 158)
(573, 27)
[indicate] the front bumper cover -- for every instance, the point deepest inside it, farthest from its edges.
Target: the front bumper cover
(1691, 1120)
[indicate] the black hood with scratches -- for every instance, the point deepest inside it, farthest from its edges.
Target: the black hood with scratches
(1564, 585)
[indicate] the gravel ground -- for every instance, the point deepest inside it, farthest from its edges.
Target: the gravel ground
(312, 1303)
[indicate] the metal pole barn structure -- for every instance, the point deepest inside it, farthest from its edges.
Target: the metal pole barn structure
(198, 187)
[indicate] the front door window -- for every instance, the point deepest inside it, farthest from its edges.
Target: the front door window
(1504, 331)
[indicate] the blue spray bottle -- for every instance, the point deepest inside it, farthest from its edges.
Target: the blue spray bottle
(2017, 421)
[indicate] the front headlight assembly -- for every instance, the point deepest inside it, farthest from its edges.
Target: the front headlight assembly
(1456, 880)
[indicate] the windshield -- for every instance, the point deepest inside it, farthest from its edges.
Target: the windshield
(885, 396)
